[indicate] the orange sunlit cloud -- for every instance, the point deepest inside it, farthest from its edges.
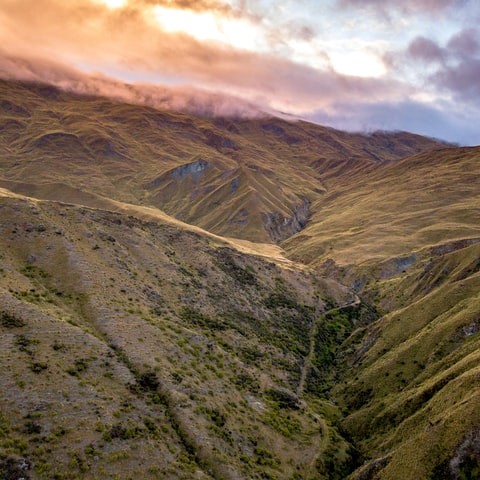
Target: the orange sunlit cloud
(199, 47)
(304, 58)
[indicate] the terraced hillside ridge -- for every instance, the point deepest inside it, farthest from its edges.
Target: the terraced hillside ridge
(252, 179)
(412, 387)
(188, 297)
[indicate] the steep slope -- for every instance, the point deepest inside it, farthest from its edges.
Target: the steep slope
(250, 179)
(124, 355)
(407, 239)
(411, 391)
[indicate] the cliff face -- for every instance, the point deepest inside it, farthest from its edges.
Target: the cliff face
(280, 228)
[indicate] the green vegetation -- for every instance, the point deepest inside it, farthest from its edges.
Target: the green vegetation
(7, 320)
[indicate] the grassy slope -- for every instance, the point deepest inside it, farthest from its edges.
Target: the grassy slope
(408, 383)
(412, 392)
(258, 172)
(407, 238)
(420, 201)
(97, 307)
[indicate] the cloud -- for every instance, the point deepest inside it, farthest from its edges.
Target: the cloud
(185, 99)
(465, 43)
(462, 79)
(456, 65)
(422, 48)
(405, 6)
(80, 45)
(92, 36)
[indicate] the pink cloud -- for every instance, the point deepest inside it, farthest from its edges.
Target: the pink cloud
(83, 33)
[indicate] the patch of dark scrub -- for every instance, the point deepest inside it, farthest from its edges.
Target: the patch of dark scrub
(218, 141)
(280, 132)
(103, 146)
(14, 468)
(226, 262)
(11, 124)
(47, 91)
(58, 140)
(12, 108)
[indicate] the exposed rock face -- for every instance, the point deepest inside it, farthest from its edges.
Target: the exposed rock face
(467, 457)
(279, 227)
(192, 169)
(452, 246)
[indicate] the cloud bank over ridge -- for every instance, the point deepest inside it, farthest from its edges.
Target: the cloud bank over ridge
(238, 58)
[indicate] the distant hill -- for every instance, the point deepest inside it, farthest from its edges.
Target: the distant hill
(251, 179)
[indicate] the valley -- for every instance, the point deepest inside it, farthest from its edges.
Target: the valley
(219, 298)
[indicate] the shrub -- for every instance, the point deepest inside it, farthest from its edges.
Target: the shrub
(122, 432)
(148, 380)
(38, 367)
(8, 320)
(81, 365)
(283, 398)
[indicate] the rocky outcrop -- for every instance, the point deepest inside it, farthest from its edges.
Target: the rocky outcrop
(280, 228)
(192, 169)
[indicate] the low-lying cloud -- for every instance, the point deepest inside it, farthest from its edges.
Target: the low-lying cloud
(184, 99)
(124, 39)
(424, 119)
(128, 53)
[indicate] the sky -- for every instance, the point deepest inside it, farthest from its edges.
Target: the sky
(358, 65)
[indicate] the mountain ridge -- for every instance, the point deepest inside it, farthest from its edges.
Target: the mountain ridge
(211, 298)
(68, 130)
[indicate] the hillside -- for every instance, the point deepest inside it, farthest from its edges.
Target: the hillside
(122, 351)
(400, 208)
(213, 298)
(252, 179)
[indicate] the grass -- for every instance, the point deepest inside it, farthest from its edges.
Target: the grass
(150, 336)
(398, 209)
(240, 188)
